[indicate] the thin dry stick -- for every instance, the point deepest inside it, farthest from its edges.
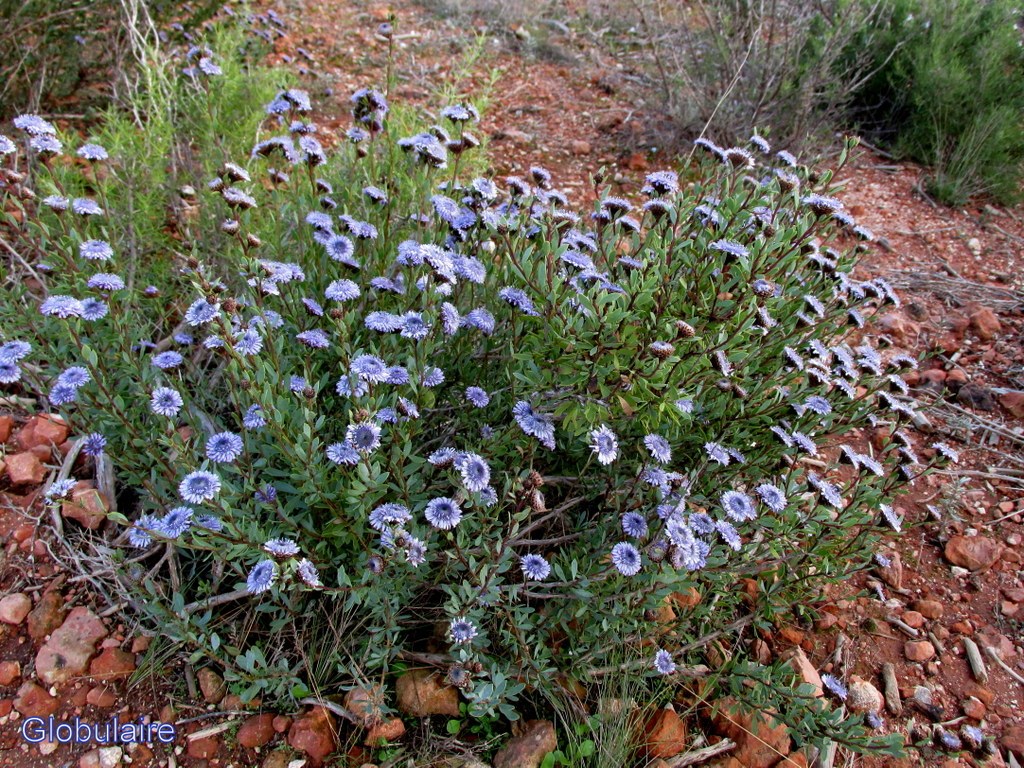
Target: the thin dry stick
(992, 654)
(702, 755)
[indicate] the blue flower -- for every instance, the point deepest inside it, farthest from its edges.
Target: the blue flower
(224, 447)
(476, 474)
(342, 290)
(313, 307)
(105, 281)
(281, 547)
(534, 424)
(175, 522)
(60, 488)
(199, 486)
(518, 299)
(47, 145)
(717, 453)
(209, 522)
(166, 360)
(835, 685)
(61, 306)
(659, 447)
(93, 444)
(390, 514)
(308, 573)
(350, 386)
(384, 322)
(370, 368)
(729, 248)
(477, 397)
(93, 309)
(738, 506)
(13, 351)
(261, 577)
(62, 394)
(341, 249)
(314, 338)
(140, 534)
(248, 342)
(253, 418)
(772, 496)
(92, 152)
(34, 125)
(663, 662)
(626, 558)
(165, 401)
(461, 630)
(604, 443)
(364, 437)
(342, 453)
(481, 319)
(432, 377)
(535, 567)
(413, 326)
(75, 376)
(83, 206)
(201, 312)
(634, 524)
(729, 534)
(266, 495)
(443, 513)
(397, 375)
(894, 520)
(10, 372)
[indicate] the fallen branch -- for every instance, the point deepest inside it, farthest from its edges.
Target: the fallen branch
(701, 755)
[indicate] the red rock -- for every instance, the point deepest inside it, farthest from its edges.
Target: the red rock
(759, 744)
(6, 707)
(1013, 740)
(791, 635)
(1013, 402)
(962, 628)
(79, 696)
(956, 378)
(930, 609)
(981, 693)
(664, 734)
(387, 731)
(365, 704)
(1015, 594)
(528, 748)
(921, 650)
(282, 723)
(87, 506)
(1009, 608)
(47, 616)
(422, 693)
(25, 469)
(205, 748)
(580, 147)
(913, 619)
(14, 608)
(66, 654)
(141, 643)
(33, 701)
(805, 671)
(985, 323)
(6, 425)
(974, 708)
(895, 325)
(10, 671)
(975, 553)
(112, 664)
(212, 685)
(42, 430)
(314, 734)
(936, 377)
(256, 731)
(101, 696)
(892, 574)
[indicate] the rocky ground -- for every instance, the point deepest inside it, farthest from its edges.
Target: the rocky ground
(901, 636)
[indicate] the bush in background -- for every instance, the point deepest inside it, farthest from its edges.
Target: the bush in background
(375, 408)
(948, 92)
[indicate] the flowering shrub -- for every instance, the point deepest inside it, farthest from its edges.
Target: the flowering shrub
(384, 412)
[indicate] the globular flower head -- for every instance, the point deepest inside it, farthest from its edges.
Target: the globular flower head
(476, 474)
(343, 453)
(443, 513)
(175, 522)
(834, 685)
(772, 497)
(281, 547)
(634, 524)
(165, 401)
(167, 360)
(535, 567)
(364, 436)
(626, 558)
(199, 486)
(224, 447)
(461, 630)
(663, 662)
(261, 577)
(738, 506)
(140, 534)
(659, 447)
(93, 444)
(604, 443)
(308, 573)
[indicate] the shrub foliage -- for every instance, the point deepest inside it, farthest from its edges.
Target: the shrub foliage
(379, 410)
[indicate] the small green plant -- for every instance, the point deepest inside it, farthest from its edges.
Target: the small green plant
(947, 91)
